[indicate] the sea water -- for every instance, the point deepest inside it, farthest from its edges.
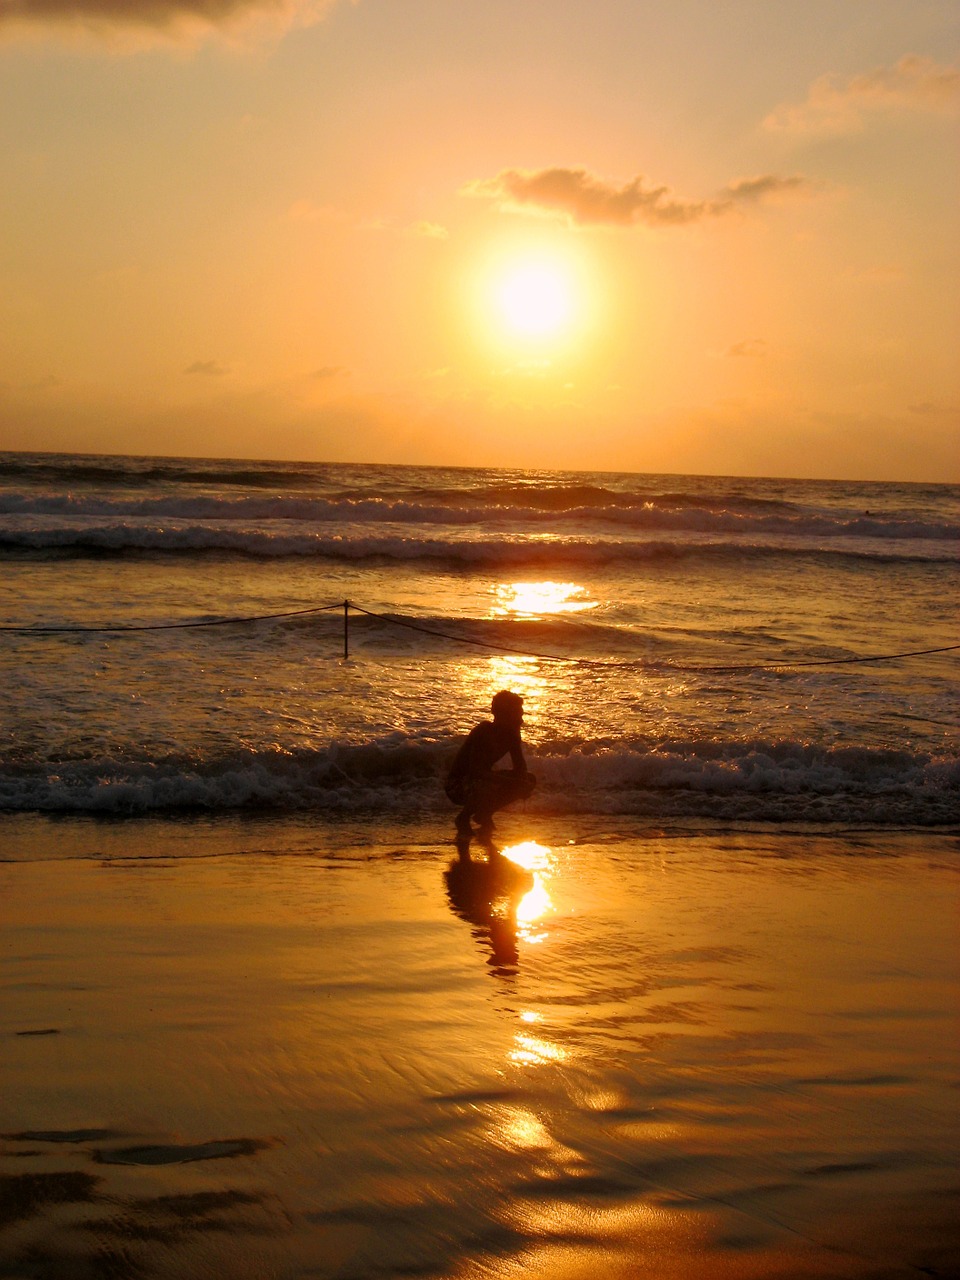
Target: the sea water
(690, 649)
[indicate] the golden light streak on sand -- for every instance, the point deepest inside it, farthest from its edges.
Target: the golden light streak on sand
(533, 1051)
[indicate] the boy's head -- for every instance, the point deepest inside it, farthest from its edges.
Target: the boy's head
(507, 706)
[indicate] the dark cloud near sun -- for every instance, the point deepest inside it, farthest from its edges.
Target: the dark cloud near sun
(165, 18)
(207, 369)
(750, 190)
(586, 200)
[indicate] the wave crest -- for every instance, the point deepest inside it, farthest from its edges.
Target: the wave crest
(744, 781)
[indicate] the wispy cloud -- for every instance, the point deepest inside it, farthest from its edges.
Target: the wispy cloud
(48, 382)
(131, 23)
(834, 105)
(935, 409)
(207, 369)
(427, 230)
(329, 371)
(766, 186)
(586, 200)
(750, 347)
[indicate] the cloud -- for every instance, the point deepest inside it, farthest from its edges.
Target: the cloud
(586, 200)
(755, 347)
(49, 382)
(934, 409)
(427, 230)
(328, 371)
(134, 22)
(583, 198)
(207, 369)
(753, 190)
(833, 105)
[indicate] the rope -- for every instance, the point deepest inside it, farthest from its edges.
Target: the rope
(483, 644)
(672, 666)
(395, 621)
(821, 662)
(170, 626)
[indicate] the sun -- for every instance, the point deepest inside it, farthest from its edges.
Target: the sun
(535, 299)
(531, 299)
(534, 305)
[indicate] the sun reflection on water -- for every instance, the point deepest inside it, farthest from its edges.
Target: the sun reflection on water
(534, 599)
(536, 902)
(528, 1049)
(480, 682)
(533, 1051)
(522, 1129)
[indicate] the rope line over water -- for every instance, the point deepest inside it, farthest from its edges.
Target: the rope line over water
(171, 626)
(671, 666)
(395, 620)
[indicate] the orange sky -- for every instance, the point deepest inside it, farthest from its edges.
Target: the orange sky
(687, 237)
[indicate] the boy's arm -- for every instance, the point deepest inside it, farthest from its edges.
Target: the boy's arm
(516, 755)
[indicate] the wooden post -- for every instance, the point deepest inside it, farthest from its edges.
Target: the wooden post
(346, 629)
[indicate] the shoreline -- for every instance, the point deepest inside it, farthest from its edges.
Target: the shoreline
(28, 836)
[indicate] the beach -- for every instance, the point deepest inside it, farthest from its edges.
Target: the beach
(267, 1046)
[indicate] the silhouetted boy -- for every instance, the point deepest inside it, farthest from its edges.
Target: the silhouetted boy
(474, 783)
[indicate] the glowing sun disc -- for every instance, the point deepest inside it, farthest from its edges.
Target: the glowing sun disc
(535, 299)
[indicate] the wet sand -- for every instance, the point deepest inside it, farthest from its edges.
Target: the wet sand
(262, 1049)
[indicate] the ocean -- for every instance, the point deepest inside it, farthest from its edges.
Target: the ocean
(690, 649)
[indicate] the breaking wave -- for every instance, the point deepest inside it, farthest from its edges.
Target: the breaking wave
(782, 781)
(359, 544)
(740, 517)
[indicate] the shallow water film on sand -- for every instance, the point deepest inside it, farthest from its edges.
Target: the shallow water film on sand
(687, 646)
(260, 1049)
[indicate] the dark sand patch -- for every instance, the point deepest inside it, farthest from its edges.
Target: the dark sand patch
(63, 1135)
(185, 1153)
(24, 1194)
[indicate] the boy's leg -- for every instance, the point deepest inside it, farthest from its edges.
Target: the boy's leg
(462, 822)
(496, 793)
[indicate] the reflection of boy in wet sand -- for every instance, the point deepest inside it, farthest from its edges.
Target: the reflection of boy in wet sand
(474, 783)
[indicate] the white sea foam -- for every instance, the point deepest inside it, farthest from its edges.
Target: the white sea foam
(513, 548)
(745, 521)
(748, 781)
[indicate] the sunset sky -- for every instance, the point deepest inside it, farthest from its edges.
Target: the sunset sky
(713, 236)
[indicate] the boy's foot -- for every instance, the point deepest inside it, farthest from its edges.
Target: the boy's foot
(463, 847)
(463, 824)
